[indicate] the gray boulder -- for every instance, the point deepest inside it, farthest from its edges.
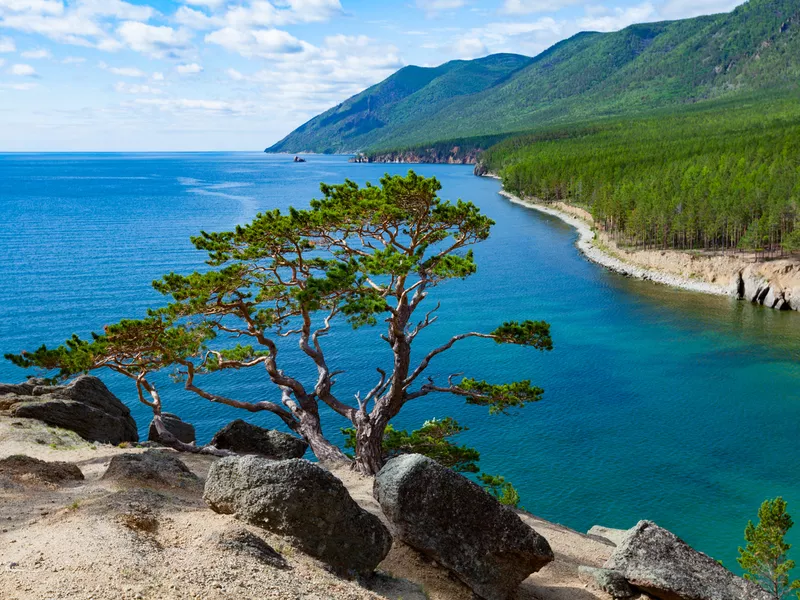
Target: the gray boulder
(302, 502)
(244, 438)
(85, 406)
(611, 582)
(153, 468)
(606, 534)
(173, 423)
(659, 563)
(455, 522)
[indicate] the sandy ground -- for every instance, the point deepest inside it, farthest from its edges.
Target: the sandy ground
(95, 539)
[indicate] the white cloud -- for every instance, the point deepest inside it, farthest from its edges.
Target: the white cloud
(2, 62)
(618, 18)
(7, 44)
(73, 60)
(258, 42)
(46, 7)
(116, 9)
(470, 48)
(235, 75)
(189, 69)
(158, 76)
(526, 7)
(208, 106)
(432, 7)
(134, 88)
(261, 13)
(206, 3)
(684, 9)
(22, 70)
(124, 71)
(37, 54)
(196, 19)
(313, 81)
(79, 22)
(155, 41)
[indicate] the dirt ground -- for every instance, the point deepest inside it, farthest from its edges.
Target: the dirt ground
(95, 539)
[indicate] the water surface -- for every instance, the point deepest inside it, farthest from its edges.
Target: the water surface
(660, 404)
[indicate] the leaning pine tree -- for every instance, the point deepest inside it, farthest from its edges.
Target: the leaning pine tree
(371, 255)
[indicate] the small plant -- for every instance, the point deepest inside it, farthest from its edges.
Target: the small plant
(501, 489)
(124, 445)
(74, 506)
(433, 440)
(764, 558)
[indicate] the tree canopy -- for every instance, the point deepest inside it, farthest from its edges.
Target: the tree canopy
(369, 255)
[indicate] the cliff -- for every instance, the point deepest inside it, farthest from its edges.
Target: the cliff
(745, 276)
(454, 155)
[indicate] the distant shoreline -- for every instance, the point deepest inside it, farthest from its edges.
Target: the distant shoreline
(595, 254)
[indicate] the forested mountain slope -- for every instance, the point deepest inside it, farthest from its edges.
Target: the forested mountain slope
(720, 175)
(640, 68)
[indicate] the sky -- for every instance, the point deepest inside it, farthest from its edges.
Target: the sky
(161, 75)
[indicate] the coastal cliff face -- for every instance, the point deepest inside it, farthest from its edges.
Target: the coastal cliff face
(774, 283)
(455, 155)
(771, 283)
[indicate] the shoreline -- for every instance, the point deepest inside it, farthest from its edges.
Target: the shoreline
(587, 246)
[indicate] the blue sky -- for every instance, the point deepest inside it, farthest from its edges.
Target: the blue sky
(100, 75)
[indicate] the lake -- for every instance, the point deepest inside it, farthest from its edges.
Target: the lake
(660, 404)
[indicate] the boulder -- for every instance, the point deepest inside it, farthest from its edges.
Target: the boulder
(153, 468)
(85, 406)
(459, 525)
(173, 423)
(244, 438)
(25, 469)
(303, 502)
(606, 534)
(659, 563)
(611, 582)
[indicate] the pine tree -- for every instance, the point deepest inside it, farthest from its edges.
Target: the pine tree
(764, 558)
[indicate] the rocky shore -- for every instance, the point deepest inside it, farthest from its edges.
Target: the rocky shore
(455, 155)
(86, 519)
(773, 283)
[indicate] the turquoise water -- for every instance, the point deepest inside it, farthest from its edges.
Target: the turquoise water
(660, 404)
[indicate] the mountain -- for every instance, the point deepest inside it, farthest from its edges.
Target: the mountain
(589, 75)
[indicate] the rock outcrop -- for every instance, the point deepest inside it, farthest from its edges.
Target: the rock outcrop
(244, 438)
(775, 284)
(455, 522)
(25, 469)
(173, 423)
(152, 468)
(659, 563)
(611, 582)
(613, 536)
(452, 155)
(85, 406)
(303, 502)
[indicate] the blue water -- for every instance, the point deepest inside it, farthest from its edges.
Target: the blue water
(659, 404)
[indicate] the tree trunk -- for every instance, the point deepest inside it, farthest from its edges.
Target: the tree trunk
(369, 446)
(311, 431)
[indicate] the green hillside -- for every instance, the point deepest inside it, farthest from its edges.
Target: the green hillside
(721, 175)
(590, 75)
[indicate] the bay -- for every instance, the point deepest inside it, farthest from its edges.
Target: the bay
(660, 404)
